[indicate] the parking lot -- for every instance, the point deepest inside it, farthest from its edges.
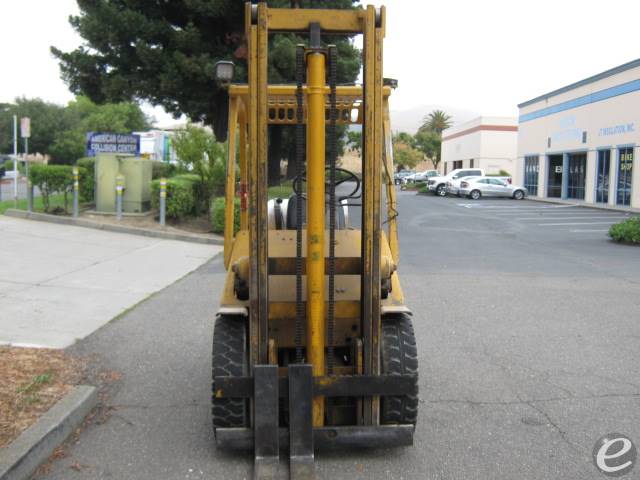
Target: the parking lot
(526, 319)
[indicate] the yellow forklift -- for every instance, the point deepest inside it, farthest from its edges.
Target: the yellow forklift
(313, 346)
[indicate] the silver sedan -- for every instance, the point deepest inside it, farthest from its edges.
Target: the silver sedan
(477, 187)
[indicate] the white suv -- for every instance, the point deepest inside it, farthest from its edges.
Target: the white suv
(438, 185)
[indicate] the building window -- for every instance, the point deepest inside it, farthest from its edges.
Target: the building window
(471, 165)
(625, 173)
(457, 164)
(602, 176)
(531, 169)
(584, 137)
(577, 175)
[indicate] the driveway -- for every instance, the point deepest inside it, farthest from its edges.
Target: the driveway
(528, 337)
(60, 283)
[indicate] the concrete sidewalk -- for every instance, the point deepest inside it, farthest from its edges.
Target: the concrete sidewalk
(60, 283)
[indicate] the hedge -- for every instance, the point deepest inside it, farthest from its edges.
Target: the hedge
(52, 179)
(627, 231)
(217, 215)
(162, 170)
(181, 199)
(87, 178)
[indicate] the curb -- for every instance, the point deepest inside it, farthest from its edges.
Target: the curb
(24, 455)
(578, 203)
(81, 222)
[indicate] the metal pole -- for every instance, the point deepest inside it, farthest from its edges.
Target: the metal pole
(76, 188)
(163, 200)
(15, 161)
(316, 102)
(119, 189)
(29, 185)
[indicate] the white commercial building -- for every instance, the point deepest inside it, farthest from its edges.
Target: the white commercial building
(490, 143)
(582, 142)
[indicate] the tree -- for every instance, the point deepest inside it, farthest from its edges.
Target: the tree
(164, 53)
(354, 140)
(61, 131)
(46, 121)
(82, 116)
(437, 121)
(199, 153)
(405, 156)
(429, 143)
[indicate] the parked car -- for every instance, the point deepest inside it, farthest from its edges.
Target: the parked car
(453, 186)
(438, 185)
(420, 176)
(398, 177)
(478, 187)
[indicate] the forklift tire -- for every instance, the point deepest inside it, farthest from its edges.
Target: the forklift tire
(399, 356)
(230, 359)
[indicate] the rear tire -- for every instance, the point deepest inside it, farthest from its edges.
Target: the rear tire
(440, 191)
(475, 195)
(399, 356)
(230, 359)
(518, 194)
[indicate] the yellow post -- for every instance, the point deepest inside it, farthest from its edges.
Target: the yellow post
(242, 142)
(230, 188)
(315, 222)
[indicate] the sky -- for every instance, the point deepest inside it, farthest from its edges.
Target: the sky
(478, 57)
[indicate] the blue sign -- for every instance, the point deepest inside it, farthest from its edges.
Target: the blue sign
(103, 142)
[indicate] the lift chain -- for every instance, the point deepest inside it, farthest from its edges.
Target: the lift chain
(300, 157)
(333, 153)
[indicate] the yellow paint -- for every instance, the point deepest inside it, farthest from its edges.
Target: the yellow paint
(315, 222)
(230, 187)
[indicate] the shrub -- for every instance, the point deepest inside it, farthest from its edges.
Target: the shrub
(627, 231)
(181, 199)
(200, 192)
(162, 170)
(87, 180)
(8, 166)
(51, 179)
(217, 215)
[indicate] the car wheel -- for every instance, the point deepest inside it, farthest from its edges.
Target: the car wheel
(475, 195)
(518, 194)
(440, 191)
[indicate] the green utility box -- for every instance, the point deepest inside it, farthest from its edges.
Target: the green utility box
(137, 183)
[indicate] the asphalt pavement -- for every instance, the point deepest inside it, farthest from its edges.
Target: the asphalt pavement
(529, 340)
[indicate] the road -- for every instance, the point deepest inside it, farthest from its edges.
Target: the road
(526, 318)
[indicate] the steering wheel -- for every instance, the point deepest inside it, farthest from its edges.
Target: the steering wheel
(349, 177)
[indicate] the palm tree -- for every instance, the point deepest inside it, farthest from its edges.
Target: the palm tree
(437, 121)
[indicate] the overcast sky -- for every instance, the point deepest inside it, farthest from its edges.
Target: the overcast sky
(479, 56)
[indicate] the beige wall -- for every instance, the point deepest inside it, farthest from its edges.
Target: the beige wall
(602, 122)
(493, 150)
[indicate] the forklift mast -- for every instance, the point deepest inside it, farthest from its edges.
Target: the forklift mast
(313, 297)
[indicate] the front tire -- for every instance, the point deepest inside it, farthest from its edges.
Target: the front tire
(475, 195)
(399, 356)
(230, 359)
(440, 191)
(518, 194)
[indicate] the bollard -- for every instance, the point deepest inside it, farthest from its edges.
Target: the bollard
(119, 191)
(76, 188)
(163, 200)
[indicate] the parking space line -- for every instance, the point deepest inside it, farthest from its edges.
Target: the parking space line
(573, 223)
(588, 231)
(603, 217)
